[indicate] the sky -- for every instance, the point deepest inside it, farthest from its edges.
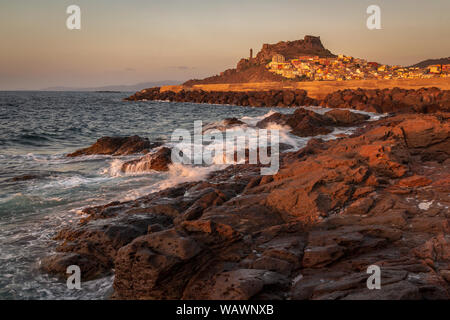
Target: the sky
(127, 42)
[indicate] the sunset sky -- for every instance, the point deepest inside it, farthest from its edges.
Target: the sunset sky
(127, 42)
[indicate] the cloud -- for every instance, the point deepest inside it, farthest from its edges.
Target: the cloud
(181, 67)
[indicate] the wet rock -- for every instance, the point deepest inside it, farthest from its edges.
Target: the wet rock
(303, 122)
(117, 146)
(424, 100)
(271, 98)
(243, 284)
(402, 290)
(233, 122)
(225, 124)
(90, 267)
(158, 161)
(321, 256)
(148, 260)
(378, 197)
(345, 117)
(25, 177)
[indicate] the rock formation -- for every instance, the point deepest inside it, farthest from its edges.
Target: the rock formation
(424, 100)
(158, 161)
(379, 197)
(254, 70)
(117, 146)
(272, 98)
(305, 123)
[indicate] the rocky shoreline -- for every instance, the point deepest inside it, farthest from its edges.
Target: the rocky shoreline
(378, 197)
(372, 100)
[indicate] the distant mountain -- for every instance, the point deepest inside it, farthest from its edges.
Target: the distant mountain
(253, 69)
(430, 62)
(134, 87)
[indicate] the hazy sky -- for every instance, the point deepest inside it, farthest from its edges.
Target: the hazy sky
(126, 42)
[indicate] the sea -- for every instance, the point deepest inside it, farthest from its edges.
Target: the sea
(43, 191)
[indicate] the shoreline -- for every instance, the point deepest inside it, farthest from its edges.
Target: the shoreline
(372, 100)
(318, 89)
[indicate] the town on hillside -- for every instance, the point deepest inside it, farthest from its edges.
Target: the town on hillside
(348, 68)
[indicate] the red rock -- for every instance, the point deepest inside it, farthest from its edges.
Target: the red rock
(242, 284)
(317, 257)
(415, 181)
(345, 117)
(158, 161)
(116, 146)
(308, 232)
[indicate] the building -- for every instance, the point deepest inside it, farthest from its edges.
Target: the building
(278, 58)
(435, 68)
(446, 68)
(348, 68)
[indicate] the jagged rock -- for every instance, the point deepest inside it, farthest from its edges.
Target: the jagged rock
(117, 146)
(158, 161)
(424, 100)
(303, 122)
(242, 284)
(90, 267)
(345, 117)
(272, 98)
(378, 197)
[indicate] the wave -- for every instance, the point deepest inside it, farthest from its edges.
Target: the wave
(33, 137)
(252, 121)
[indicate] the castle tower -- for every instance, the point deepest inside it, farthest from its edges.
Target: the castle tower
(251, 53)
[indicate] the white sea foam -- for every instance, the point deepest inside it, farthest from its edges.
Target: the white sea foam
(252, 121)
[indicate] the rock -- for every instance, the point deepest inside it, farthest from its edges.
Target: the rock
(223, 125)
(244, 284)
(148, 260)
(117, 146)
(308, 123)
(90, 267)
(303, 122)
(377, 197)
(158, 161)
(360, 206)
(96, 241)
(321, 256)
(436, 249)
(345, 117)
(273, 264)
(402, 290)
(424, 100)
(415, 181)
(233, 122)
(25, 177)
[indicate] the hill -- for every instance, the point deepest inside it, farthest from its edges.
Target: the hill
(125, 88)
(253, 69)
(429, 62)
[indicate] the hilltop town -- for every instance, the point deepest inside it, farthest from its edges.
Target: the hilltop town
(309, 60)
(348, 68)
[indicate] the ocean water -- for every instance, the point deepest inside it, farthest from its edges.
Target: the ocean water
(38, 129)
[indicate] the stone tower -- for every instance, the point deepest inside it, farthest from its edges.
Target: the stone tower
(251, 53)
